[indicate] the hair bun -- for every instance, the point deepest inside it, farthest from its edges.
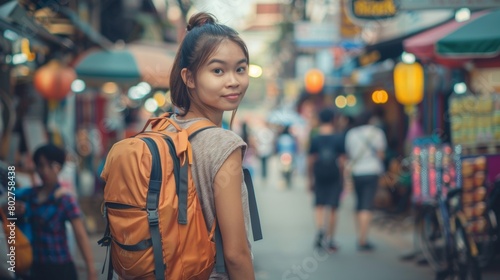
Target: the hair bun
(200, 19)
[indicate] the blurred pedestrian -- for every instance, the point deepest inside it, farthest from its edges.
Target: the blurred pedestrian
(50, 206)
(365, 145)
(250, 151)
(264, 146)
(209, 77)
(287, 148)
(325, 179)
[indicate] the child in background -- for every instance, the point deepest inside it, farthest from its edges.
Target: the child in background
(50, 207)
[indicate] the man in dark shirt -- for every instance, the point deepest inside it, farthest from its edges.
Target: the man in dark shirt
(325, 177)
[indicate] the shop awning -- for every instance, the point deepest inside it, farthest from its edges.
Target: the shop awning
(423, 44)
(380, 52)
(478, 38)
(127, 65)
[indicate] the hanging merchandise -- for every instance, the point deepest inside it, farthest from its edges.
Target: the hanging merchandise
(474, 171)
(475, 120)
(433, 170)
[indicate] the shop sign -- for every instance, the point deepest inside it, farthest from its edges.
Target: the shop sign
(373, 9)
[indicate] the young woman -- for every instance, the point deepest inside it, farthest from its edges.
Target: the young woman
(209, 77)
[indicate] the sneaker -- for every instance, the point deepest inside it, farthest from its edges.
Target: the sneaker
(332, 247)
(365, 247)
(319, 240)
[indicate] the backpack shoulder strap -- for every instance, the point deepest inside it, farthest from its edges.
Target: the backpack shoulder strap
(152, 201)
(199, 126)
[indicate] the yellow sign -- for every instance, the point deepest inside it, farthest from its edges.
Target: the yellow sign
(374, 9)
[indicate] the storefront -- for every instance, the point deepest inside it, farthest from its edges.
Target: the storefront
(468, 157)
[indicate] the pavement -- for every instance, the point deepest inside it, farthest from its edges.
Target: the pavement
(287, 252)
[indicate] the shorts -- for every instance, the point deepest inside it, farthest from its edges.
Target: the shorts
(328, 195)
(366, 188)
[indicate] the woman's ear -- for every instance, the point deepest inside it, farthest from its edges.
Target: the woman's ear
(187, 77)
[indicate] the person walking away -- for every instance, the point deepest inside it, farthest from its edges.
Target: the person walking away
(286, 148)
(50, 207)
(248, 161)
(325, 179)
(209, 77)
(264, 138)
(365, 145)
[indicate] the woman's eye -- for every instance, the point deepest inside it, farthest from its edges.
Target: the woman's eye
(241, 70)
(218, 71)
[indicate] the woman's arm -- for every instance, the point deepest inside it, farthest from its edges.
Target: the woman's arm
(229, 211)
(84, 245)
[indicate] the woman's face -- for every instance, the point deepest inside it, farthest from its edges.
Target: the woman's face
(222, 81)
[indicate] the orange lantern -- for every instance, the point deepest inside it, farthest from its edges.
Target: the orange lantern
(314, 81)
(53, 80)
(409, 83)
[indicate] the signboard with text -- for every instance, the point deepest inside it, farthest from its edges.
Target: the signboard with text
(381, 9)
(373, 9)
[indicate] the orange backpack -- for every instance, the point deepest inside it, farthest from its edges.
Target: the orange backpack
(22, 247)
(155, 225)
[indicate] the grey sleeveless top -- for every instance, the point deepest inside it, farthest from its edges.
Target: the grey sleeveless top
(211, 148)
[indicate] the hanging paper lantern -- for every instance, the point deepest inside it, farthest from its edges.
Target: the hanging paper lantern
(314, 81)
(53, 80)
(409, 83)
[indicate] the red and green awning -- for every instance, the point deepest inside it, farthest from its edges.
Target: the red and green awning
(455, 43)
(479, 38)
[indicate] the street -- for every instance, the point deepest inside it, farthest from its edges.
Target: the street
(287, 253)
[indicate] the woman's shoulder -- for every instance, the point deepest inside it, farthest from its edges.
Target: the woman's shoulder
(220, 136)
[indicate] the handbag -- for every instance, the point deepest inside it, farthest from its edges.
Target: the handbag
(23, 257)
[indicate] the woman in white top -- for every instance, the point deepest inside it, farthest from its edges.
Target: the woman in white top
(365, 146)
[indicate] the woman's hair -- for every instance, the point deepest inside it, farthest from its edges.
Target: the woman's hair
(50, 152)
(203, 37)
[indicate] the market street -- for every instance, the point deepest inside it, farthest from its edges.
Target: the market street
(287, 252)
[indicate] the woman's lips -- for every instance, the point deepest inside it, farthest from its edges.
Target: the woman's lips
(232, 96)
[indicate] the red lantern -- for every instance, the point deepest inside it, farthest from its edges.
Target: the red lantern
(314, 81)
(53, 81)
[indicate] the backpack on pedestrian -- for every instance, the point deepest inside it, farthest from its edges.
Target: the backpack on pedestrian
(155, 224)
(325, 168)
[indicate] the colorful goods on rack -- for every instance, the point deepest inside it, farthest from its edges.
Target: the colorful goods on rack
(433, 171)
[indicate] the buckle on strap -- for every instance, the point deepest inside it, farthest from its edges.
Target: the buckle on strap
(153, 217)
(105, 241)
